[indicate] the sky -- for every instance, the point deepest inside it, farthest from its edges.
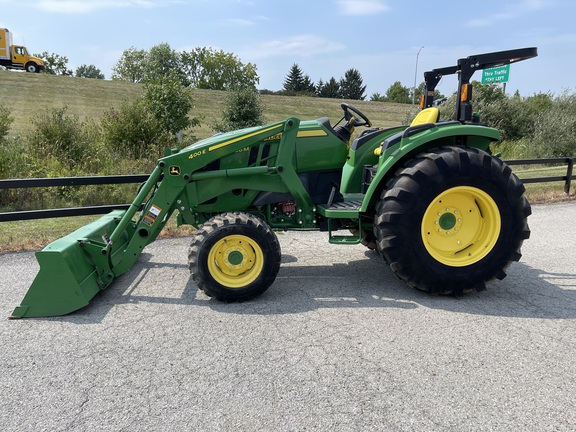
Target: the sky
(385, 40)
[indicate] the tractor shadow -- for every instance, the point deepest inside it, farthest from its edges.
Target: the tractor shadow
(369, 283)
(363, 282)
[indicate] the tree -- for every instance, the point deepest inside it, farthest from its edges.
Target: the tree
(243, 109)
(131, 66)
(89, 71)
(141, 66)
(398, 93)
(331, 89)
(419, 91)
(206, 68)
(308, 85)
(319, 87)
(201, 68)
(161, 62)
(297, 82)
(169, 102)
(293, 81)
(55, 64)
(351, 85)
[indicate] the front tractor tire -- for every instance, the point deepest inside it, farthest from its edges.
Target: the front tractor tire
(451, 220)
(234, 257)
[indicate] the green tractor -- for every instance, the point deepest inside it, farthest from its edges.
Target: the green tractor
(445, 214)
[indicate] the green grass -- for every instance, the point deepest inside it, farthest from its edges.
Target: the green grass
(29, 94)
(35, 234)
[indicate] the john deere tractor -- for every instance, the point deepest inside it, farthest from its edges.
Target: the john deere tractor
(445, 214)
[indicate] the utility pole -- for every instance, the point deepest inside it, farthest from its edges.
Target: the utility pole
(415, 73)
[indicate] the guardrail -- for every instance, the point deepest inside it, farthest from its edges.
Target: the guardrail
(567, 179)
(66, 181)
(139, 178)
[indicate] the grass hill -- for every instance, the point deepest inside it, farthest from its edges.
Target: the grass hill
(28, 94)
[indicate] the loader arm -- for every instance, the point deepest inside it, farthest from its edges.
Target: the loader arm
(179, 170)
(76, 267)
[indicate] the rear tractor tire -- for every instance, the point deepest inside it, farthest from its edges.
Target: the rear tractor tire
(234, 257)
(451, 220)
(368, 238)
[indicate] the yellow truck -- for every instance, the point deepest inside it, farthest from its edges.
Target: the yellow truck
(16, 56)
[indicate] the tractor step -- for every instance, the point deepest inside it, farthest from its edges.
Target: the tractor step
(346, 240)
(349, 209)
(340, 210)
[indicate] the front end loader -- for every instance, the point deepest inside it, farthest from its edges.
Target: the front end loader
(445, 214)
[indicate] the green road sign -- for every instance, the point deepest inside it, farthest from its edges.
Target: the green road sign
(496, 75)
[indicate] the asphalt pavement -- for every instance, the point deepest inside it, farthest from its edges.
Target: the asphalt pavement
(338, 343)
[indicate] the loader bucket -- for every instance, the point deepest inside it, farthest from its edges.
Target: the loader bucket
(68, 278)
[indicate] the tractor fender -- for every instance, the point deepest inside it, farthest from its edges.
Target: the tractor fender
(405, 145)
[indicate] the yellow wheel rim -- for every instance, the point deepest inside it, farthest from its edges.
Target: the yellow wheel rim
(461, 226)
(235, 261)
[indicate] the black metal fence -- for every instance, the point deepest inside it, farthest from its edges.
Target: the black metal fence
(66, 181)
(139, 178)
(567, 179)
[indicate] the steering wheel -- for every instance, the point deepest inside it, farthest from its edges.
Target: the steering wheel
(351, 112)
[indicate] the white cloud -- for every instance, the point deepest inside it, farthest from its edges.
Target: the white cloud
(510, 12)
(240, 22)
(301, 45)
(362, 7)
(243, 22)
(86, 6)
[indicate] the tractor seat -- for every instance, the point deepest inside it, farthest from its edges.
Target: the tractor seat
(428, 115)
(340, 132)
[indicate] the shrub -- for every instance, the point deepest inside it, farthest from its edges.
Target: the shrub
(555, 128)
(517, 149)
(144, 128)
(5, 122)
(54, 133)
(243, 109)
(132, 132)
(169, 104)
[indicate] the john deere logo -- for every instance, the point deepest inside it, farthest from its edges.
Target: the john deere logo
(174, 170)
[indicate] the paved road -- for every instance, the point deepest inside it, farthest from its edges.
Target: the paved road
(336, 344)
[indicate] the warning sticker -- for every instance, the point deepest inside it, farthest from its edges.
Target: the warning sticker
(153, 213)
